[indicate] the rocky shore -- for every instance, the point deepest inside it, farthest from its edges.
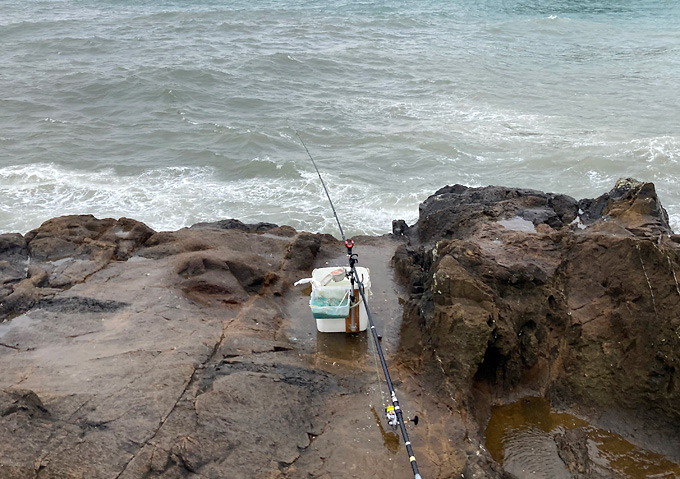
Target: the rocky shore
(131, 353)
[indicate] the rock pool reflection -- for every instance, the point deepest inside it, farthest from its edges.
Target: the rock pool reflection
(390, 438)
(522, 436)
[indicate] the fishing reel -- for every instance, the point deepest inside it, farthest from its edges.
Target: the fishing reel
(392, 420)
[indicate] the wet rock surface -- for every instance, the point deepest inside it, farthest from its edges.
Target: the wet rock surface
(518, 292)
(130, 353)
(572, 448)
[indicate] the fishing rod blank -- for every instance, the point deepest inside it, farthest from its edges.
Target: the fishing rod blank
(354, 277)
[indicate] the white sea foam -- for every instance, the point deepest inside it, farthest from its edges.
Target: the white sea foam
(34, 193)
(175, 197)
(674, 219)
(657, 150)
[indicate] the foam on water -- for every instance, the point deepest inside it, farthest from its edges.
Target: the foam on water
(173, 197)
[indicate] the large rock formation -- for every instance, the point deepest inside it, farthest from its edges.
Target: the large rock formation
(517, 292)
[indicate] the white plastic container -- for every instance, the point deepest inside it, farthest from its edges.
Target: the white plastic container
(333, 283)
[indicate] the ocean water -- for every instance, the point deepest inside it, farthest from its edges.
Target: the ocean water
(175, 112)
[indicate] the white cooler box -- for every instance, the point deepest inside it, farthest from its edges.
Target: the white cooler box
(330, 300)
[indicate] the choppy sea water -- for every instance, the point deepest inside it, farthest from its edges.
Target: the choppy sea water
(175, 112)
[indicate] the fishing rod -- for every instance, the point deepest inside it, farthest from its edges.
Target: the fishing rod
(354, 277)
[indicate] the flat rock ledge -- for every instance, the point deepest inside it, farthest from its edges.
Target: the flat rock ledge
(131, 353)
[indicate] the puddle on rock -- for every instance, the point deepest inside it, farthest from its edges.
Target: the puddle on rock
(521, 436)
(390, 438)
(342, 347)
(517, 223)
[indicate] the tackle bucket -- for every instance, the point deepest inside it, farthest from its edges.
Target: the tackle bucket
(329, 303)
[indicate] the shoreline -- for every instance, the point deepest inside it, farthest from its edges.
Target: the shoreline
(118, 331)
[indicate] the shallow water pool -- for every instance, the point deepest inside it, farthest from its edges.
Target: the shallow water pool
(521, 436)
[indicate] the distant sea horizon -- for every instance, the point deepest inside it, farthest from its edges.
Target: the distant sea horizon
(174, 113)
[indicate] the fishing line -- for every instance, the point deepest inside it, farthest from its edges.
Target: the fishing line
(374, 353)
(354, 277)
(323, 183)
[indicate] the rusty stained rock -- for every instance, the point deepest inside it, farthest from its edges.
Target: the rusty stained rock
(507, 301)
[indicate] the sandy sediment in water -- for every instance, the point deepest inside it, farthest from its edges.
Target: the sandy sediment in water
(131, 353)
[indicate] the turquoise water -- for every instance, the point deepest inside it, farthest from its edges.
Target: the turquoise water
(179, 112)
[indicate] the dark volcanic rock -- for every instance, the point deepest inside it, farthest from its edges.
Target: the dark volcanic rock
(630, 205)
(22, 402)
(302, 252)
(76, 304)
(211, 277)
(86, 237)
(457, 211)
(520, 295)
(572, 447)
(62, 252)
(234, 224)
(13, 262)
